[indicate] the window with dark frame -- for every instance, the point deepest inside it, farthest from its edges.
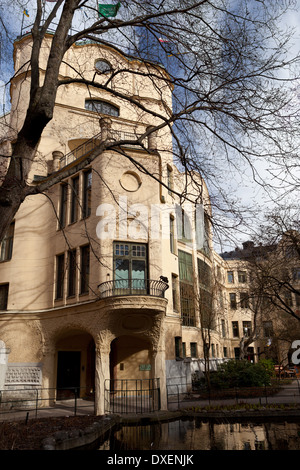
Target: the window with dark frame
(87, 193)
(6, 246)
(175, 293)
(247, 328)
(63, 205)
(235, 329)
(102, 107)
(60, 276)
(230, 277)
(186, 286)
(71, 273)
(268, 329)
(169, 179)
(4, 296)
(244, 300)
(223, 328)
(84, 269)
(178, 346)
(232, 300)
(242, 276)
(74, 199)
(172, 234)
(193, 349)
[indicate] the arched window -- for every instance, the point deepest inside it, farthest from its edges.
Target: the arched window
(101, 107)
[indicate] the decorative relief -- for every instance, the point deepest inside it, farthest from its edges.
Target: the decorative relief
(23, 375)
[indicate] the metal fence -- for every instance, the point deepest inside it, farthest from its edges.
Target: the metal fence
(132, 396)
(44, 401)
(278, 393)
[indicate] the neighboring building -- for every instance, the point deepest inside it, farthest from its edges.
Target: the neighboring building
(99, 276)
(262, 285)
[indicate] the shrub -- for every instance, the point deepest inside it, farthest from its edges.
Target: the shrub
(242, 374)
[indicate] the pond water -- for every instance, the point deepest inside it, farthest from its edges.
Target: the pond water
(196, 434)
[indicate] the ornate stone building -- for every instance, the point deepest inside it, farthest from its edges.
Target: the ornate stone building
(107, 278)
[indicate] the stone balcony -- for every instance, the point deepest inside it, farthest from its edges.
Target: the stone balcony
(109, 135)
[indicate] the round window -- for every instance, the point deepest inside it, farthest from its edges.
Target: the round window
(102, 66)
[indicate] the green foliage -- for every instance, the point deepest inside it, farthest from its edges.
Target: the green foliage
(242, 374)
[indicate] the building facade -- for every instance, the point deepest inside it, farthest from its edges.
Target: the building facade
(108, 276)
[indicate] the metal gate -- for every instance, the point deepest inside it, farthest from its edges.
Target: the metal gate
(132, 395)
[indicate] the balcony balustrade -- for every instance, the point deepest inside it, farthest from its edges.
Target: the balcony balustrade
(129, 287)
(88, 146)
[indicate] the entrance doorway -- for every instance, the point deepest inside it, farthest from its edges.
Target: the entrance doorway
(68, 374)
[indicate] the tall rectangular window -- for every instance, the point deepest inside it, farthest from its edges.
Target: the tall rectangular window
(232, 300)
(169, 179)
(178, 346)
(175, 292)
(172, 234)
(193, 349)
(74, 200)
(235, 329)
(84, 269)
(6, 245)
(60, 276)
(247, 328)
(205, 294)
(223, 328)
(242, 276)
(63, 205)
(230, 277)
(268, 329)
(130, 267)
(3, 296)
(186, 283)
(87, 193)
(71, 273)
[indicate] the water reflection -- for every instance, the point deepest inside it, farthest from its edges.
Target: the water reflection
(195, 434)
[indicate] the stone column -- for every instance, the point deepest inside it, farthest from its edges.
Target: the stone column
(48, 376)
(105, 126)
(102, 372)
(152, 139)
(57, 156)
(159, 364)
(159, 371)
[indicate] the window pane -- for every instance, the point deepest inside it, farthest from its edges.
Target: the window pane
(72, 272)
(63, 205)
(87, 193)
(3, 296)
(74, 199)
(122, 273)
(7, 244)
(60, 274)
(85, 269)
(101, 107)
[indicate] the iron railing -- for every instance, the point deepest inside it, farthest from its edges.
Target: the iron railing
(90, 144)
(132, 395)
(38, 401)
(118, 287)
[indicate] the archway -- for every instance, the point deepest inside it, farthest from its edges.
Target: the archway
(75, 365)
(132, 385)
(130, 359)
